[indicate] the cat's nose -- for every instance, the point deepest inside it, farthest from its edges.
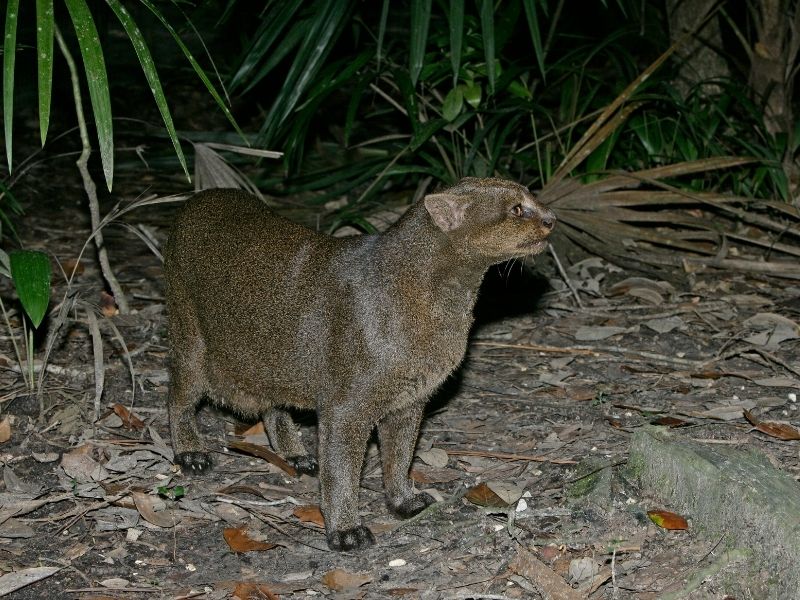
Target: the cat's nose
(548, 219)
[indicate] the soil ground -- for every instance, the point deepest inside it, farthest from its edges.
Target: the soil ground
(549, 393)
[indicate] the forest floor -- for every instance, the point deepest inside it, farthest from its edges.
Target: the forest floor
(548, 393)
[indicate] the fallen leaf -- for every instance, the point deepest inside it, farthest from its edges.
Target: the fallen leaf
(592, 334)
(724, 412)
(80, 466)
(483, 495)
(145, 504)
(646, 294)
(129, 420)
(15, 580)
(253, 591)
(667, 520)
(310, 514)
(665, 325)
(239, 541)
(253, 430)
(265, 453)
(777, 382)
(508, 492)
(428, 475)
(341, 581)
(580, 393)
(402, 591)
(435, 457)
(782, 431)
(5, 430)
(670, 422)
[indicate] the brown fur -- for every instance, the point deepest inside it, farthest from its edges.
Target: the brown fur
(266, 314)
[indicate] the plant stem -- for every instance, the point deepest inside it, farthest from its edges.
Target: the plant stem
(88, 183)
(31, 378)
(14, 342)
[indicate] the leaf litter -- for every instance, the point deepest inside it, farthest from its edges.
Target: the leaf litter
(541, 393)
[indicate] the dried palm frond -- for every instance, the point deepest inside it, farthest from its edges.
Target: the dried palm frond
(637, 220)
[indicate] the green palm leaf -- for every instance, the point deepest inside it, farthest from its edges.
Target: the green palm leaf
(420, 21)
(30, 271)
(97, 80)
(44, 58)
(9, 58)
(149, 68)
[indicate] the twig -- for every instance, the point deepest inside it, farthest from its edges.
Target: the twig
(88, 184)
(506, 456)
(99, 365)
(597, 350)
(564, 275)
(777, 360)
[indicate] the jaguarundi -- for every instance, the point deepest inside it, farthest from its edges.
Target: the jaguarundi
(266, 314)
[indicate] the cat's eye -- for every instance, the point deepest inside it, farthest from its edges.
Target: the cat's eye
(523, 212)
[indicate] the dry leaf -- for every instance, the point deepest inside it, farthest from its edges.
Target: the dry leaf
(15, 580)
(665, 325)
(670, 422)
(782, 431)
(265, 453)
(5, 430)
(79, 465)
(483, 495)
(435, 457)
(239, 541)
(580, 393)
(145, 504)
(310, 514)
(341, 581)
(253, 591)
(667, 520)
(129, 420)
(593, 334)
(646, 294)
(428, 475)
(253, 430)
(507, 492)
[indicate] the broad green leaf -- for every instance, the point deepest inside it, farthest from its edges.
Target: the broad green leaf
(472, 94)
(456, 35)
(9, 58)
(149, 68)
(536, 34)
(452, 104)
(44, 59)
(196, 66)
(30, 271)
(420, 21)
(487, 29)
(97, 81)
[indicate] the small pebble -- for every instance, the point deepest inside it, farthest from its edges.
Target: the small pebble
(522, 505)
(397, 562)
(792, 397)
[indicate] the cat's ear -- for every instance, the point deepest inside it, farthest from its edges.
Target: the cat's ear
(446, 210)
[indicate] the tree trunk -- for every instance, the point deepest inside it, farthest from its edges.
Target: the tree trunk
(700, 59)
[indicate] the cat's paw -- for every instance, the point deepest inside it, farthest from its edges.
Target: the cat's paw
(351, 539)
(408, 507)
(304, 464)
(194, 462)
